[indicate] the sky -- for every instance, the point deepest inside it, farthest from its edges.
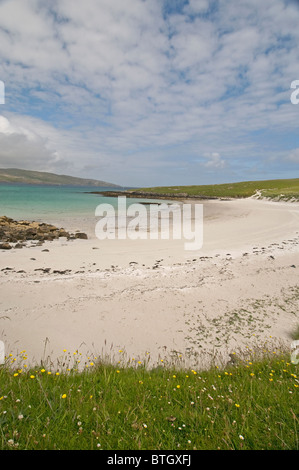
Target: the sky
(150, 92)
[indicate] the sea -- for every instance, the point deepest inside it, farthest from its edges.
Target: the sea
(70, 207)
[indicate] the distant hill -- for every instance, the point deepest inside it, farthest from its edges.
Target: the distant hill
(15, 175)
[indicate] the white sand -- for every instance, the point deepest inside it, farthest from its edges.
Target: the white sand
(153, 299)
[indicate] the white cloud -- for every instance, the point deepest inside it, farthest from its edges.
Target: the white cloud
(293, 156)
(24, 147)
(214, 161)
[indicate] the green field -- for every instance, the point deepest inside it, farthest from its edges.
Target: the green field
(282, 189)
(249, 406)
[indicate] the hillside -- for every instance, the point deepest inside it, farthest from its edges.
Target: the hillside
(14, 175)
(279, 189)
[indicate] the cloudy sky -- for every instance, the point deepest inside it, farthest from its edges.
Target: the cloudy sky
(150, 92)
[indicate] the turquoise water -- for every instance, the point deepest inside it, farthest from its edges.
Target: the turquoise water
(71, 207)
(40, 202)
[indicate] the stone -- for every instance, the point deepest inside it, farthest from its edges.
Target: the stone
(5, 246)
(81, 235)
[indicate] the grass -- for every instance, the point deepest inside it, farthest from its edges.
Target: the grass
(251, 405)
(281, 189)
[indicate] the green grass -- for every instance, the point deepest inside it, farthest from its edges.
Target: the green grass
(283, 189)
(253, 405)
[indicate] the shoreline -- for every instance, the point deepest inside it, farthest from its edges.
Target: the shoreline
(152, 296)
(150, 195)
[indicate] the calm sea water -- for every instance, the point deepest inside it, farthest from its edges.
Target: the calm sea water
(71, 207)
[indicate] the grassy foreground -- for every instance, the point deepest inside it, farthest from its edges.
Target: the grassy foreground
(282, 189)
(252, 405)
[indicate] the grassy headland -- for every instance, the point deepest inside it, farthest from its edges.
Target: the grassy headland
(281, 189)
(250, 405)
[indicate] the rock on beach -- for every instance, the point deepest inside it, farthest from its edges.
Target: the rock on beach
(18, 232)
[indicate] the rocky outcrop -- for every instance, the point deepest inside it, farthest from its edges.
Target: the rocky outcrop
(18, 232)
(152, 195)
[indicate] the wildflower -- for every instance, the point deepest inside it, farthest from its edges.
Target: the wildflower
(57, 373)
(178, 386)
(20, 417)
(237, 405)
(241, 437)
(144, 425)
(63, 396)
(32, 376)
(16, 374)
(42, 371)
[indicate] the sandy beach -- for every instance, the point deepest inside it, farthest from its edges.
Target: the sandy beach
(151, 299)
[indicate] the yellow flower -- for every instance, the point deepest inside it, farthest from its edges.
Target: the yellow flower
(63, 396)
(178, 386)
(43, 370)
(32, 376)
(16, 374)
(237, 405)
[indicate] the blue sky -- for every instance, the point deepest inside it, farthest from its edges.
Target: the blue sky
(150, 92)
